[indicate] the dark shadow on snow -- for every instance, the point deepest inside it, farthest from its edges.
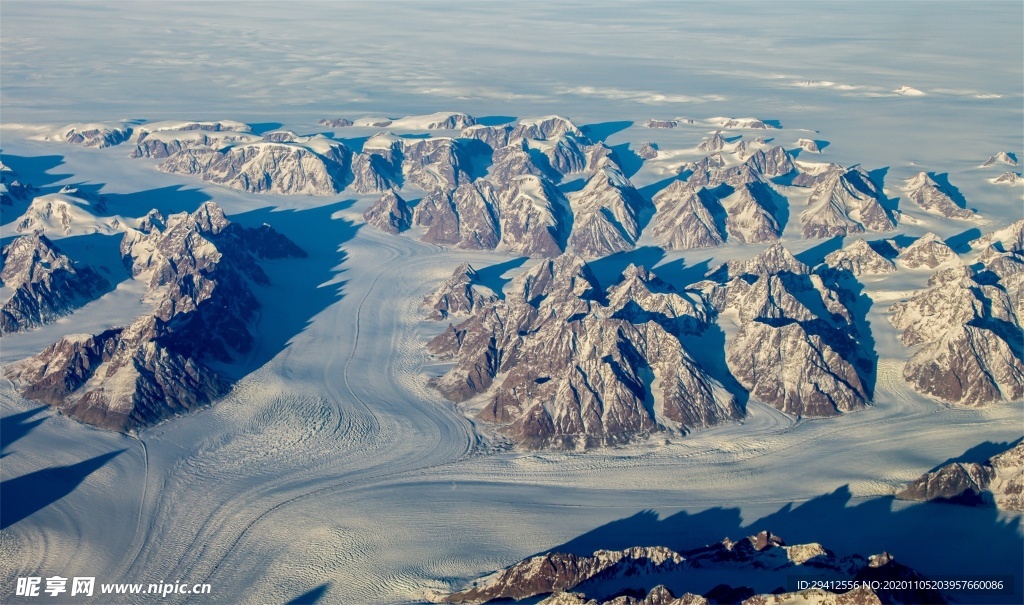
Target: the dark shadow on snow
(310, 597)
(815, 255)
(680, 275)
(601, 131)
(32, 492)
(299, 288)
(961, 242)
(18, 425)
(35, 170)
(168, 200)
(494, 120)
(261, 128)
(99, 251)
(979, 453)
(493, 276)
(610, 268)
(628, 160)
(942, 179)
(934, 538)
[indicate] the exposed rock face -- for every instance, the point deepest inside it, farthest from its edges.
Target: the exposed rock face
(390, 214)
(12, 190)
(744, 123)
(45, 283)
(93, 135)
(1000, 158)
(638, 570)
(809, 145)
(971, 336)
(534, 217)
(843, 203)
(164, 139)
(67, 212)
(859, 258)
(999, 481)
(928, 251)
(199, 267)
(605, 213)
(511, 161)
(463, 218)
(686, 219)
(459, 296)
(771, 163)
(568, 153)
(1007, 178)
(751, 214)
(444, 120)
(661, 124)
(577, 373)
(435, 162)
(548, 127)
(712, 144)
(493, 136)
(1007, 239)
(647, 151)
(926, 193)
(796, 348)
(315, 166)
(335, 122)
(775, 259)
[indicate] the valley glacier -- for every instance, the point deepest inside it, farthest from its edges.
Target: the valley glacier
(331, 470)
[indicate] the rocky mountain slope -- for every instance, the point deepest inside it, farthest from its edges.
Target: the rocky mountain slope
(845, 201)
(797, 347)
(554, 366)
(999, 481)
(763, 560)
(44, 283)
(926, 193)
(966, 328)
(198, 268)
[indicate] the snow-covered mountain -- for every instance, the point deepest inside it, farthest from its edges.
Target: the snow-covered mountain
(967, 327)
(926, 193)
(686, 218)
(164, 139)
(998, 481)
(310, 166)
(928, 251)
(12, 190)
(859, 258)
(44, 283)
(99, 134)
(459, 296)
(1001, 157)
(198, 268)
(797, 347)
(554, 367)
(390, 213)
(605, 212)
(763, 560)
(845, 202)
(66, 213)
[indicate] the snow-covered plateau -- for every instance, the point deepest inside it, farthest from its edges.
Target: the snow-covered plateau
(315, 314)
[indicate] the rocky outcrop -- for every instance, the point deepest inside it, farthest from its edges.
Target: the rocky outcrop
(661, 124)
(605, 212)
(314, 166)
(544, 128)
(970, 332)
(493, 136)
(435, 163)
(464, 218)
(927, 251)
(335, 122)
(12, 190)
(772, 163)
(809, 145)
(533, 217)
(1007, 239)
(686, 218)
(511, 161)
(198, 268)
(578, 373)
(859, 258)
(164, 139)
(712, 144)
(92, 135)
(390, 213)
(797, 347)
(459, 296)
(999, 481)
(647, 151)
(763, 559)
(844, 203)
(1007, 178)
(751, 214)
(67, 212)
(926, 193)
(1000, 158)
(44, 282)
